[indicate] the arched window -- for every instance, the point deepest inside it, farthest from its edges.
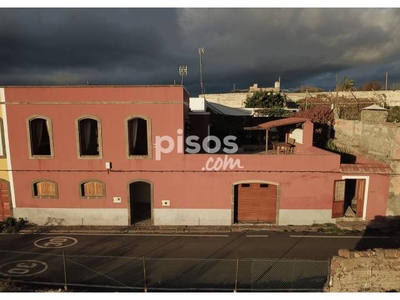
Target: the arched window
(92, 189)
(40, 137)
(138, 137)
(45, 189)
(89, 131)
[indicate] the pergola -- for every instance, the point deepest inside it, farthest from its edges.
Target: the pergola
(276, 123)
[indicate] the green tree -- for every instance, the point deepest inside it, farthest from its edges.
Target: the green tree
(346, 85)
(264, 99)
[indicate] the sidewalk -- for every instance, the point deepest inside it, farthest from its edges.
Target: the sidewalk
(148, 229)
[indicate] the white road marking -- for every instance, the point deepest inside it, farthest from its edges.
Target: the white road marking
(56, 242)
(340, 237)
(23, 268)
(257, 236)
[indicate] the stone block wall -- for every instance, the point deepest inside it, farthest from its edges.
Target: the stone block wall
(348, 131)
(382, 140)
(374, 116)
(376, 270)
(393, 208)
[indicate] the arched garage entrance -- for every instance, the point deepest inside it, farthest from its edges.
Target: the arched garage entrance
(255, 202)
(140, 201)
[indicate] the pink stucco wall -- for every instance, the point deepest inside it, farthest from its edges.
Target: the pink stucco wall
(306, 180)
(378, 194)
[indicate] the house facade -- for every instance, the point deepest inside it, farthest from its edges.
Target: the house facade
(122, 155)
(5, 173)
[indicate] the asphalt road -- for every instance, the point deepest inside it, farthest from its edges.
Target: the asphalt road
(251, 244)
(248, 260)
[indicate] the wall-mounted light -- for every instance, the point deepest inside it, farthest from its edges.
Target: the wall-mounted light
(108, 167)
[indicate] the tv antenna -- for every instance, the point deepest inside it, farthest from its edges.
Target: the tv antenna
(182, 72)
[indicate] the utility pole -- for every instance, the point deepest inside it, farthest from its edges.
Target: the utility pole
(279, 80)
(386, 80)
(201, 51)
(337, 88)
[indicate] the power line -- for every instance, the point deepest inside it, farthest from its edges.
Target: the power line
(186, 171)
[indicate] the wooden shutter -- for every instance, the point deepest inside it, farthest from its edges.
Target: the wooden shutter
(338, 198)
(360, 192)
(46, 189)
(93, 189)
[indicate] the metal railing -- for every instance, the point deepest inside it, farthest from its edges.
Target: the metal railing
(113, 273)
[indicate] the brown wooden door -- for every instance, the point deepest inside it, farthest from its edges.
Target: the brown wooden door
(360, 192)
(257, 202)
(5, 205)
(338, 198)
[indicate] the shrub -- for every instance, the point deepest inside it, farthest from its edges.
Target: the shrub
(273, 112)
(311, 102)
(346, 108)
(323, 119)
(7, 286)
(346, 155)
(394, 114)
(12, 225)
(318, 114)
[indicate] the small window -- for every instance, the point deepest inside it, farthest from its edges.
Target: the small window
(245, 184)
(45, 189)
(92, 189)
(40, 139)
(137, 137)
(263, 185)
(89, 137)
(2, 141)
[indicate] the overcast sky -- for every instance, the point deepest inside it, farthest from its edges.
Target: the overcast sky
(243, 46)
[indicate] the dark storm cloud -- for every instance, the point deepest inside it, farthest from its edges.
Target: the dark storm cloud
(242, 46)
(81, 37)
(297, 44)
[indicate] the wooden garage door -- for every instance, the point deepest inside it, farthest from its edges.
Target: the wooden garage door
(257, 202)
(5, 207)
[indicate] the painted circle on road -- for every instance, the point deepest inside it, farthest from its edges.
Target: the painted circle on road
(23, 268)
(56, 242)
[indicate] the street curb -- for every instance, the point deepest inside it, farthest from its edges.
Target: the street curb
(172, 229)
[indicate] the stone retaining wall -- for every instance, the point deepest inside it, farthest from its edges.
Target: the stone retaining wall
(381, 141)
(376, 270)
(376, 139)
